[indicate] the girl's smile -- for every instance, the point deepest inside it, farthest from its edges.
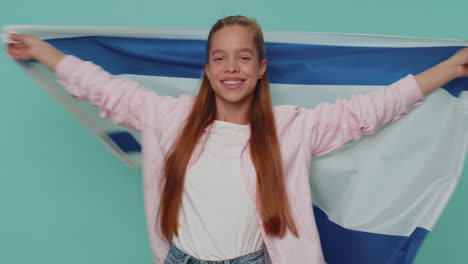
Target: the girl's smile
(232, 83)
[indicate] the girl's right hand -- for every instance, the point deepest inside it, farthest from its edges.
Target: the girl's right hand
(32, 48)
(25, 48)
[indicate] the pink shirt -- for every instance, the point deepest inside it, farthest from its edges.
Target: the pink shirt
(303, 133)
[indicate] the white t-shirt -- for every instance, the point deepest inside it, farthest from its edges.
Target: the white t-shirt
(217, 220)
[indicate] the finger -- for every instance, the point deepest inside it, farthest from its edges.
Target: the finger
(17, 46)
(13, 54)
(20, 38)
(7, 38)
(14, 38)
(11, 47)
(17, 55)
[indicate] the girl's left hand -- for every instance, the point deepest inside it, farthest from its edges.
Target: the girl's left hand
(444, 72)
(460, 59)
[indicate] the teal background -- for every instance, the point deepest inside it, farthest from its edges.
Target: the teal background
(65, 199)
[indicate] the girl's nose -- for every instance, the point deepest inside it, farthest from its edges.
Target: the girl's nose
(232, 66)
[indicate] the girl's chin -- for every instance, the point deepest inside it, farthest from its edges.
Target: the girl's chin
(233, 99)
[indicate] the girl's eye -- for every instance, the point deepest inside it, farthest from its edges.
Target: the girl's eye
(218, 59)
(245, 58)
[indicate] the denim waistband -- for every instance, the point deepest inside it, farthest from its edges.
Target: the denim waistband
(177, 256)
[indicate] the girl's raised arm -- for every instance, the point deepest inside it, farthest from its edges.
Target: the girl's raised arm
(124, 102)
(329, 126)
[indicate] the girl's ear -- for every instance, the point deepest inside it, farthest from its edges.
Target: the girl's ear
(262, 68)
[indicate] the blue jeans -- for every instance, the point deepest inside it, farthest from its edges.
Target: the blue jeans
(176, 256)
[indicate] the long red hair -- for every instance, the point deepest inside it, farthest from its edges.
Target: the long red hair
(271, 197)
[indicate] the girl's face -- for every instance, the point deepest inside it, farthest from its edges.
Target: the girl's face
(233, 67)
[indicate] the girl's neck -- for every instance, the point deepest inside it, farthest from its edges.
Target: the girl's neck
(233, 113)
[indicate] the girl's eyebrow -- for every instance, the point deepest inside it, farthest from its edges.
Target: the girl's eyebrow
(238, 50)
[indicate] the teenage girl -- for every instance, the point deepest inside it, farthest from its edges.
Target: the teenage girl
(226, 175)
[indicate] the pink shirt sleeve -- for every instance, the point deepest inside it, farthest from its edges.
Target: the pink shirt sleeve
(329, 126)
(122, 101)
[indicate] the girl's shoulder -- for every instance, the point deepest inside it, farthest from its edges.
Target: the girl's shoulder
(287, 114)
(284, 111)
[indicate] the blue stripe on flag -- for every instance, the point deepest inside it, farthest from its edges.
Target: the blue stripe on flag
(344, 246)
(288, 63)
(125, 141)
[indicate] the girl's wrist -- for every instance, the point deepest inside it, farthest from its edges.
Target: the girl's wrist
(39, 48)
(451, 68)
(47, 55)
(458, 63)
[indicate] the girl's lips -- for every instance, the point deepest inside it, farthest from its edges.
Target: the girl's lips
(232, 84)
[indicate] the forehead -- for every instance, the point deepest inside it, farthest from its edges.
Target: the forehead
(231, 38)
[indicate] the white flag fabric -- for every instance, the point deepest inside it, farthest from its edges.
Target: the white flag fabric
(374, 200)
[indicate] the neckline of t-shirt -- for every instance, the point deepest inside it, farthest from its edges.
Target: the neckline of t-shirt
(230, 124)
(231, 128)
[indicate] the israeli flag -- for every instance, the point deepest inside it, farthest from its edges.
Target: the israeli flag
(376, 199)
